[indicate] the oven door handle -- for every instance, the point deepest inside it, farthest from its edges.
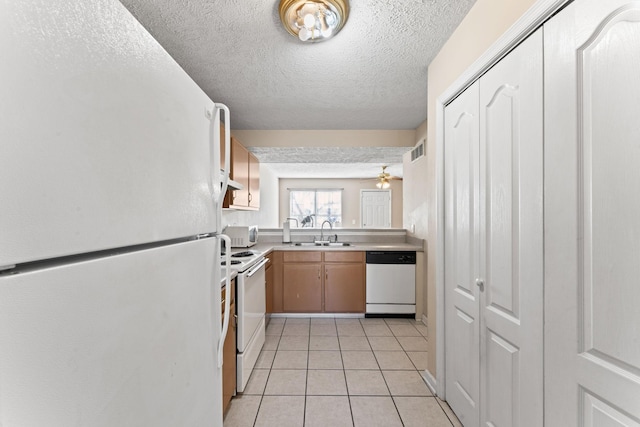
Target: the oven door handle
(255, 269)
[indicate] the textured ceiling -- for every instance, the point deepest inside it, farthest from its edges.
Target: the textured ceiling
(372, 75)
(331, 162)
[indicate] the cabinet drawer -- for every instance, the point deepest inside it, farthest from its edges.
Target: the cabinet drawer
(302, 256)
(344, 256)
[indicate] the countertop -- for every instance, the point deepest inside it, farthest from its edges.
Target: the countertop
(266, 248)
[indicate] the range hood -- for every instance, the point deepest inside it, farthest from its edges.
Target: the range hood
(233, 185)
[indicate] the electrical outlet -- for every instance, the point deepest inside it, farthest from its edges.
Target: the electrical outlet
(353, 222)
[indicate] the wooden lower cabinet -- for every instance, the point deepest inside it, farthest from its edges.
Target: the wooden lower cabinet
(302, 288)
(321, 281)
(344, 288)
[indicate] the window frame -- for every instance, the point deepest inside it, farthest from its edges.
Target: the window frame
(315, 221)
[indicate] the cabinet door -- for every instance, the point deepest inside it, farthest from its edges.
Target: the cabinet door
(303, 288)
(229, 366)
(278, 290)
(254, 181)
(269, 286)
(344, 288)
(592, 215)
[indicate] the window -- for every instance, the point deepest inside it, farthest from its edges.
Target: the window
(313, 206)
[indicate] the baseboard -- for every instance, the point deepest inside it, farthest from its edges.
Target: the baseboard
(430, 380)
(321, 315)
(424, 320)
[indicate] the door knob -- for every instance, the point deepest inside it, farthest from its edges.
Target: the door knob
(480, 284)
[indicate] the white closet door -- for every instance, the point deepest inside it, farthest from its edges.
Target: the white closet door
(592, 215)
(461, 256)
(511, 267)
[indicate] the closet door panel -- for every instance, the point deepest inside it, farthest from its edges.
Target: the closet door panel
(592, 214)
(511, 251)
(461, 260)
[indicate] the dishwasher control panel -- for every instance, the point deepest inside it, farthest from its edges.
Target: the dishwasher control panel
(391, 257)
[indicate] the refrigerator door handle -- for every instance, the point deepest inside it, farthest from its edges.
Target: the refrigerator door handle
(227, 149)
(225, 322)
(214, 159)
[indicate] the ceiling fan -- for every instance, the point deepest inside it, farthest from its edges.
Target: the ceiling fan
(384, 179)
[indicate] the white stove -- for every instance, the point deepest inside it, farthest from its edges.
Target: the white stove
(242, 260)
(250, 308)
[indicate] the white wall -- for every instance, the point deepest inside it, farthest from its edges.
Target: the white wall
(415, 209)
(350, 197)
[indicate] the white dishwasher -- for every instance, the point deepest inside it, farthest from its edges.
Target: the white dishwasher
(391, 283)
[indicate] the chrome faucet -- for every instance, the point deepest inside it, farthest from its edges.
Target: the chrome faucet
(294, 219)
(322, 229)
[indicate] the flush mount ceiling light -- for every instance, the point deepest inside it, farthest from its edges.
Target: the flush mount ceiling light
(313, 20)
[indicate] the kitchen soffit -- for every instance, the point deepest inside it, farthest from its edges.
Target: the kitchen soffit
(331, 162)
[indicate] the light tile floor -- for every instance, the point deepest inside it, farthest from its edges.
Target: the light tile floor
(340, 372)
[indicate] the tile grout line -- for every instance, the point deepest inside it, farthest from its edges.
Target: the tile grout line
(306, 379)
(255, 420)
(442, 408)
(344, 374)
(387, 384)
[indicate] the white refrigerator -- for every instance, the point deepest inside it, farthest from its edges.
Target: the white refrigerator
(110, 198)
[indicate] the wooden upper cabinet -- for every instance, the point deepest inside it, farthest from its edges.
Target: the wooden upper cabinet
(245, 169)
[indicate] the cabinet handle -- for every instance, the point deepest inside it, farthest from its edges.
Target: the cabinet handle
(250, 197)
(480, 284)
(318, 272)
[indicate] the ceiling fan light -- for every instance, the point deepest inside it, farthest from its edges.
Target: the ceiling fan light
(383, 183)
(326, 16)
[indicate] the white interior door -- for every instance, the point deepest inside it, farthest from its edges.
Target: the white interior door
(592, 215)
(462, 326)
(375, 208)
(511, 253)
